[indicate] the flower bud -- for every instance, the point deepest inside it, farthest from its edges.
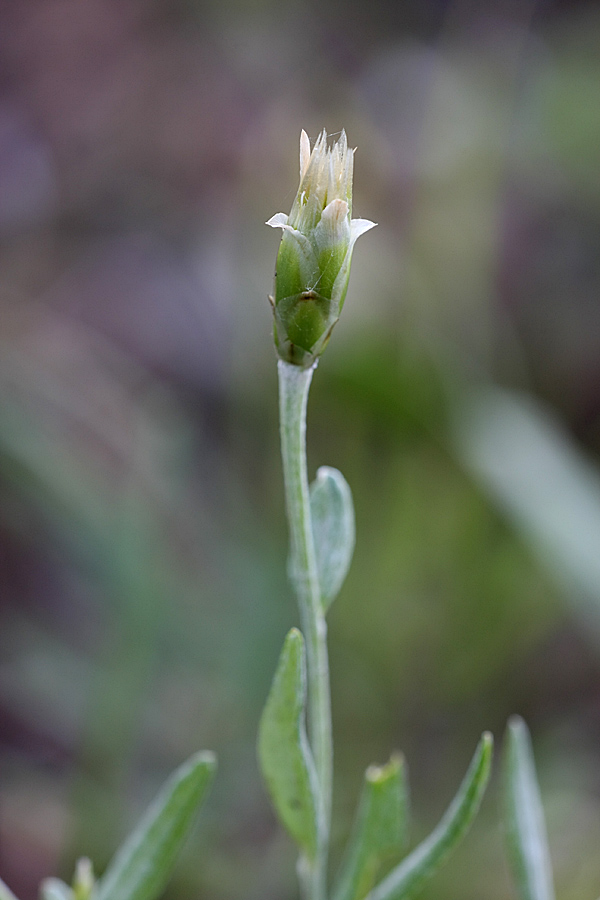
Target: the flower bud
(313, 262)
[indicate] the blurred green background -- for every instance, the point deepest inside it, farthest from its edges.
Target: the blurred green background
(143, 602)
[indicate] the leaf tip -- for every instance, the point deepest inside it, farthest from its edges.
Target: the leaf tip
(292, 652)
(294, 636)
(204, 759)
(486, 747)
(324, 472)
(516, 725)
(378, 774)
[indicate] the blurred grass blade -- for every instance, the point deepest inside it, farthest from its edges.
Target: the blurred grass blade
(53, 889)
(5, 892)
(525, 828)
(406, 879)
(143, 865)
(83, 882)
(527, 461)
(283, 749)
(332, 516)
(380, 830)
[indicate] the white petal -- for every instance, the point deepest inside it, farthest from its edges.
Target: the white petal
(304, 153)
(333, 228)
(335, 212)
(358, 227)
(279, 220)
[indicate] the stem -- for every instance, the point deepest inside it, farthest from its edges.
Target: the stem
(294, 384)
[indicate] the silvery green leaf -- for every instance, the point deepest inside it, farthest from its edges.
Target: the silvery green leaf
(53, 889)
(5, 892)
(143, 865)
(283, 749)
(526, 459)
(524, 817)
(380, 830)
(332, 514)
(407, 878)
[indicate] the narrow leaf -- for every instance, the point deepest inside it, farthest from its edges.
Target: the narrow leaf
(332, 514)
(143, 865)
(407, 878)
(5, 892)
(529, 463)
(380, 829)
(524, 817)
(283, 749)
(83, 882)
(53, 889)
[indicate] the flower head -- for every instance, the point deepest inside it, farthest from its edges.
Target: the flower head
(313, 263)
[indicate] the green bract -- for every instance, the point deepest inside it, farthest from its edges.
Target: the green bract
(313, 263)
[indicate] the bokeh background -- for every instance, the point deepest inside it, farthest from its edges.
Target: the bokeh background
(143, 144)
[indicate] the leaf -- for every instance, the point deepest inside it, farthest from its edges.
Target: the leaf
(142, 866)
(83, 882)
(283, 749)
(332, 514)
(407, 878)
(524, 817)
(53, 889)
(380, 829)
(527, 461)
(5, 892)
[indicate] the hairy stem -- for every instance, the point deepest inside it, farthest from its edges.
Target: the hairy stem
(294, 384)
